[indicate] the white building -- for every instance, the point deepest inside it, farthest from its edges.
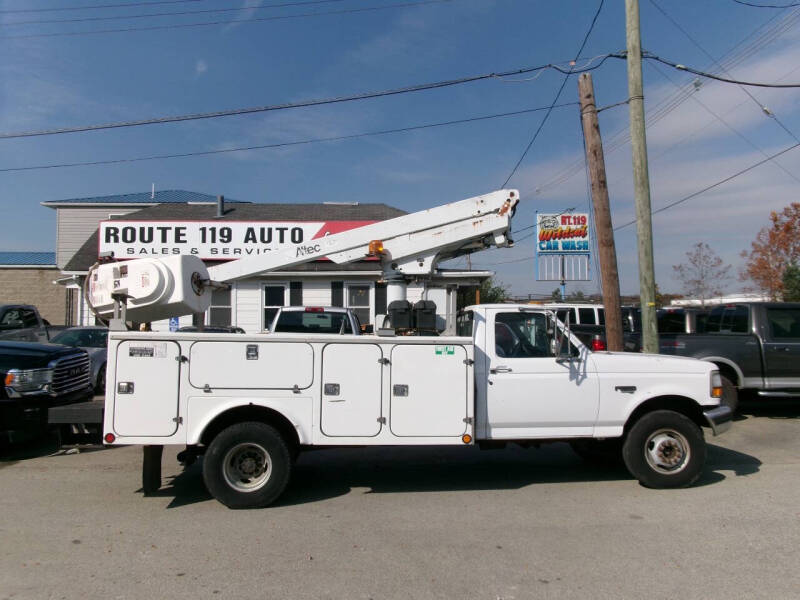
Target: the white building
(178, 222)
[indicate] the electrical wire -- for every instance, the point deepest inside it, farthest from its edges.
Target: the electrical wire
(758, 38)
(760, 105)
(172, 14)
(288, 105)
(94, 6)
(558, 95)
(731, 127)
(754, 5)
(346, 11)
(281, 144)
(700, 73)
(713, 185)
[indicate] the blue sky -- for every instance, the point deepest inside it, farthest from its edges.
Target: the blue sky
(59, 81)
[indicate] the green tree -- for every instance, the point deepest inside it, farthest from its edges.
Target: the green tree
(791, 283)
(556, 295)
(491, 292)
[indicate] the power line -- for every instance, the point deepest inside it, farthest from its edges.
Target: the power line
(231, 21)
(288, 105)
(713, 185)
(731, 127)
(558, 95)
(699, 73)
(754, 5)
(761, 106)
(761, 36)
(281, 144)
(93, 6)
(172, 14)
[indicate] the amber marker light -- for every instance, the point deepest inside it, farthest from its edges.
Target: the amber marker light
(9, 379)
(466, 438)
(376, 248)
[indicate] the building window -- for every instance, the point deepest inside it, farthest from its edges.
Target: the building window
(274, 298)
(358, 299)
(219, 313)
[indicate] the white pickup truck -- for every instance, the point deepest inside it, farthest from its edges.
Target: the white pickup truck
(251, 403)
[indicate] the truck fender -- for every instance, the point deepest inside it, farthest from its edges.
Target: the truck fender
(297, 415)
(720, 360)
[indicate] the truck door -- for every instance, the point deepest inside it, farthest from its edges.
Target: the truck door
(351, 390)
(782, 348)
(148, 404)
(530, 393)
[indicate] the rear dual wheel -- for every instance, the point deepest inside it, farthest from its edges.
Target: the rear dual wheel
(247, 465)
(665, 449)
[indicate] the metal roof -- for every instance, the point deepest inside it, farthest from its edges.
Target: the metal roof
(18, 259)
(159, 197)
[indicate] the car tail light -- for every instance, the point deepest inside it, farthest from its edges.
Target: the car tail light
(314, 309)
(598, 344)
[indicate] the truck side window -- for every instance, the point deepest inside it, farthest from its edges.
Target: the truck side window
(521, 335)
(464, 323)
(714, 320)
(735, 319)
(784, 322)
(587, 316)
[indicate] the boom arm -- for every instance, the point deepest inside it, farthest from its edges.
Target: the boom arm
(411, 245)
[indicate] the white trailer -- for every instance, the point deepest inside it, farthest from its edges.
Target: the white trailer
(251, 403)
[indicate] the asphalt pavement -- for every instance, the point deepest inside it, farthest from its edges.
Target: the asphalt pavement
(409, 523)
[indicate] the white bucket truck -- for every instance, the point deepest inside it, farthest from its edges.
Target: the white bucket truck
(513, 373)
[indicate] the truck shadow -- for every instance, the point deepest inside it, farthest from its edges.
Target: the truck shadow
(769, 408)
(324, 474)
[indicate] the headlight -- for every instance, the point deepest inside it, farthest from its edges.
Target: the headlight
(29, 380)
(716, 384)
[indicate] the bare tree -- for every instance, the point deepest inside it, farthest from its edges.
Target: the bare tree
(703, 274)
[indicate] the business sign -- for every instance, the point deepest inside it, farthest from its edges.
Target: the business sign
(213, 240)
(566, 233)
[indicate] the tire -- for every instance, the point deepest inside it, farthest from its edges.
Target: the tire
(730, 394)
(247, 465)
(665, 449)
(599, 452)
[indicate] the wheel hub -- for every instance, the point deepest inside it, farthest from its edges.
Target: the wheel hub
(247, 467)
(667, 451)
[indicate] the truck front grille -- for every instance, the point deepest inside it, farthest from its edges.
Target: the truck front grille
(71, 373)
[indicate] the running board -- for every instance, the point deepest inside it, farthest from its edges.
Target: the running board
(778, 394)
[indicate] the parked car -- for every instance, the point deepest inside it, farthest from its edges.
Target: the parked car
(93, 339)
(23, 323)
(212, 329)
(755, 345)
(316, 319)
(38, 376)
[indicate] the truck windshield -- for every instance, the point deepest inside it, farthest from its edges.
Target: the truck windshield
(312, 322)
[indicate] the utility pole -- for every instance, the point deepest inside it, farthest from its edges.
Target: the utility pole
(602, 214)
(641, 180)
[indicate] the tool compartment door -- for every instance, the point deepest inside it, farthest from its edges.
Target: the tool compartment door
(351, 390)
(151, 370)
(429, 390)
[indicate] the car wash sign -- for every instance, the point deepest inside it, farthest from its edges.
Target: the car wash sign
(220, 240)
(566, 233)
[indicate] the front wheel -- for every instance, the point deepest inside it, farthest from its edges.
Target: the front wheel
(247, 465)
(665, 449)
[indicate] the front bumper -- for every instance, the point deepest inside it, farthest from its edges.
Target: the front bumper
(30, 412)
(719, 418)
